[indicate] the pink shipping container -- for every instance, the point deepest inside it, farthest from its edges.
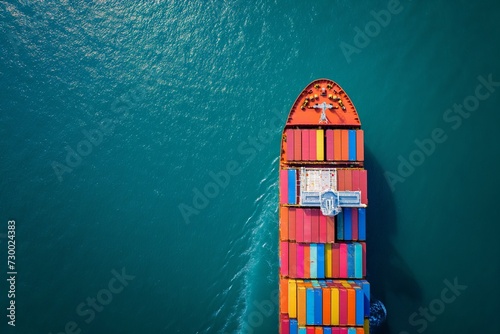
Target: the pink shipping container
(284, 258)
(307, 225)
(322, 228)
(329, 145)
(312, 145)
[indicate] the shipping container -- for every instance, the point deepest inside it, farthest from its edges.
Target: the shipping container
(291, 224)
(300, 260)
(284, 295)
(307, 225)
(312, 145)
(360, 145)
(284, 223)
(289, 145)
(305, 145)
(299, 224)
(320, 145)
(284, 258)
(323, 230)
(352, 145)
(345, 145)
(315, 225)
(329, 145)
(292, 186)
(283, 186)
(362, 223)
(297, 143)
(292, 259)
(337, 145)
(292, 298)
(363, 183)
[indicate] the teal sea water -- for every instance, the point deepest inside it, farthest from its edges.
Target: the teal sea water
(115, 114)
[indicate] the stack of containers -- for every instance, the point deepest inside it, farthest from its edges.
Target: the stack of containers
(323, 259)
(321, 145)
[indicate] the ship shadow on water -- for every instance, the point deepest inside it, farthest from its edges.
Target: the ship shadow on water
(388, 273)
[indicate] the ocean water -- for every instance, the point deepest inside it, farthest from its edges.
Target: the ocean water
(116, 115)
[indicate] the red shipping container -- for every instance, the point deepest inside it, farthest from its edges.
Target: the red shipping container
(312, 145)
(322, 228)
(309, 330)
(284, 226)
(307, 225)
(343, 260)
(305, 144)
(329, 145)
(285, 324)
(289, 144)
(315, 225)
(360, 145)
(363, 182)
(299, 225)
(343, 306)
(291, 224)
(355, 224)
(345, 145)
(355, 179)
(341, 179)
(335, 330)
(292, 259)
(335, 260)
(284, 258)
(348, 179)
(283, 186)
(337, 145)
(297, 144)
(330, 229)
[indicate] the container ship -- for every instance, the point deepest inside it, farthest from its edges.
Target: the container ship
(322, 216)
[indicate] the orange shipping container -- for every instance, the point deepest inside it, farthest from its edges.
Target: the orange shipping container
(284, 223)
(283, 295)
(326, 306)
(337, 145)
(351, 307)
(340, 179)
(301, 316)
(297, 144)
(345, 145)
(307, 261)
(291, 224)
